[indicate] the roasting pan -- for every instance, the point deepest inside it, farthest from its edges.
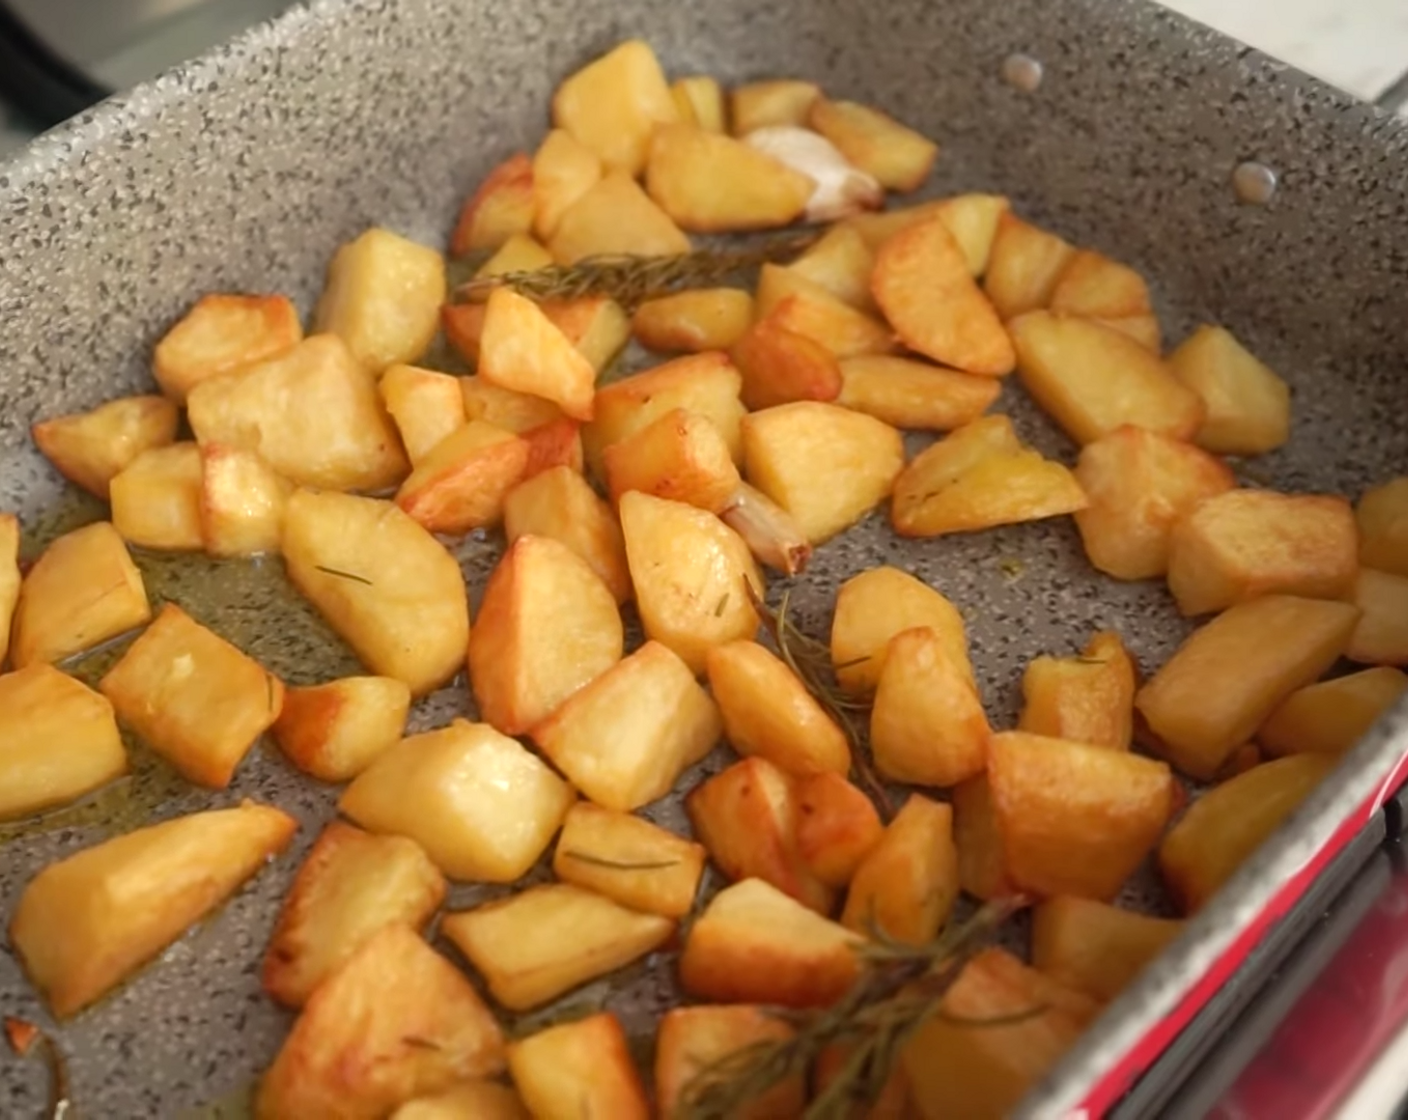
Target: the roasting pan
(245, 169)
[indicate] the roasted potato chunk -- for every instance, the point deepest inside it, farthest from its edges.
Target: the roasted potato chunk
(700, 101)
(557, 443)
(1248, 408)
(515, 412)
(710, 183)
(1222, 683)
(427, 406)
(694, 321)
(482, 806)
(615, 216)
(1382, 514)
(613, 105)
(520, 253)
(564, 169)
(624, 739)
(681, 456)
(334, 731)
(898, 157)
(221, 334)
(533, 946)
(581, 1068)
(1330, 717)
(1381, 636)
(780, 366)
(9, 578)
(907, 885)
(85, 923)
(596, 326)
(388, 588)
(982, 866)
(83, 590)
(910, 394)
(501, 206)
(1093, 285)
(1024, 266)
(841, 262)
(462, 484)
(396, 1021)
(629, 860)
(351, 886)
(691, 1041)
(1096, 948)
(523, 350)
(762, 104)
(805, 307)
(837, 826)
(193, 697)
(91, 448)
(481, 1100)
(1143, 328)
(156, 499)
(242, 502)
(559, 503)
(1087, 699)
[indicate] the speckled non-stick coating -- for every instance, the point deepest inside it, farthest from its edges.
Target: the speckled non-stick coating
(245, 170)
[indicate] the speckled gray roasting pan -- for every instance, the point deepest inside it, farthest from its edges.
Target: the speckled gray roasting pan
(245, 170)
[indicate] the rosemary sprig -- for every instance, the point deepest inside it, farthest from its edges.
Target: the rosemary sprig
(900, 988)
(340, 574)
(631, 280)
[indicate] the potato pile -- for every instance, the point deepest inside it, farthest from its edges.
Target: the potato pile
(775, 425)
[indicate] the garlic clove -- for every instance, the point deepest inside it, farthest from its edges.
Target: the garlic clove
(841, 190)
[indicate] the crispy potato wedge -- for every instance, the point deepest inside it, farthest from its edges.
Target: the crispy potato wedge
(804, 306)
(770, 532)
(711, 183)
(482, 805)
(1223, 682)
(1024, 266)
(754, 944)
(825, 465)
(564, 169)
(396, 1021)
(313, 414)
(1246, 543)
(479, 1100)
(462, 484)
(351, 886)
(515, 412)
(559, 503)
(546, 626)
(780, 366)
(1096, 948)
(576, 1069)
(1381, 636)
(502, 205)
(520, 253)
(692, 1041)
(680, 455)
(523, 350)
(837, 826)
(1248, 408)
(334, 731)
(58, 741)
(693, 321)
(982, 864)
(777, 102)
(223, 333)
(1224, 826)
(533, 946)
(427, 406)
(156, 499)
(613, 104)
(615, 216)
(875, 605)
(1095, 286)
(390, 590)
(242, 502)
(83, 590)
(906, 886)
(841, 262)
(193, 697)
(898, 157)
(910, 394)
(629, 860)
(1075, 819)
(91, 448)
(1087, 699)
(85, 923)
(1140, 484)
(1330, 717)
(1382, 514)
(624, 739)
(699, 100)
(10, 579)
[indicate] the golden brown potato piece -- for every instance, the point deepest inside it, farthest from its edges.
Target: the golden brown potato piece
(576, 1069)
(907, 885)
(559, 503)
(1382, 514)
(1222, 683)
(692, 1041)
(334, 731)
(388, 588)
(875, 605)
(220, 334)
(911, 394)
(837, 826)
(927, 726)
(351, 886)
(681, 456)
(481, 1100)
(533, 946)
(1381, 637)
(624, 739)
(615, 216)
(523, 350)
(501, 206)
(754, 944)
(427, 406)
(825, 465)
(91, 448)
(922, 284)
(1330, 717)
(770, 532)
(598, 327)
(628, 859)
(1224, 826)
(313, 414)
(1248, 406)
(546, 626)
(397, 1021)
(58, 741)
(691, 574)
(778, 102)
(87, 922)
(482, 805)
(746, 816)
(557, 443)
(977, 477)
(461, 485)
(242, 502)
(898, 157)
(1091, 379)
(1140, 483)
(613, 105)
(768, 712)
(1024, 266)
(1246, 543)
(1093, 285)
(9, 577)
(1096, 948)
(193, 697)
(700, 101)
(156, 499)
(1075, 819)
(694, 321)
(710, 183)
(804, 306)
(563, 170)
(982, 866)
(83, 590)
(841, 262)
(1088, 699)
(780, 366)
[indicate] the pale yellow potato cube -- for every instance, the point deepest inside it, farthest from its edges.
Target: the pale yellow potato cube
(973, 220)
(1382, 514)
(91, 448)
(837, 826)
(540, 943)
(1097, 287)
(383, 297)
(693, 321)
(1248, 406)
(462, 483)
(1087, 699)
(520, 253)
(681, 456)
(624, 739)
(711, 183)
(700, 101)
(427, 406)
(87, 922)
(875, 605)
(780, 366)
(388, 588)
(576, 1069)
(1096, 948)
(1381, 636)
(559, 503)
(615, 216)
(471, 1100)
(805, 307)
(58, 741)
(1330, 717)
(1024, 266)
(628, 859)
(879, 226)
(351, 886)
(692, 1042)
(563, 170)
(597, 326)
(156, 499)
(501, 206)
(482, 806)
(911, 394)
(9, 577)
(334, 731)
(898, 157)
(841, 262)
(221, 334)
(613, 105)
(505, 408)
(523, 350)
(242, 502)
(764, 104)
(906, 886)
